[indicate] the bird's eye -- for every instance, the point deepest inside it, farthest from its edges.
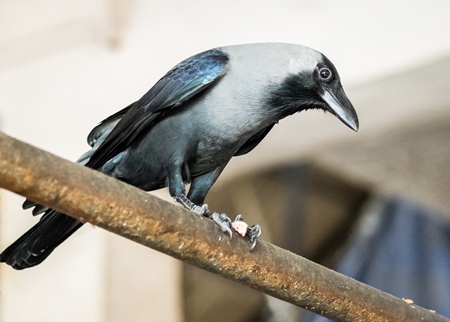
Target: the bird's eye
(325, 74)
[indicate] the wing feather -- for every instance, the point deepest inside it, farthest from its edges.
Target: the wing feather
(181, 83)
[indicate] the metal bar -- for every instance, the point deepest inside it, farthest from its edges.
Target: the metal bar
(125, 210)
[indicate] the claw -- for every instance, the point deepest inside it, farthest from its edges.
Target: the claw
(254, 232)
(222, 221)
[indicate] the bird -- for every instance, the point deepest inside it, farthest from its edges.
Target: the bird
(210, 107)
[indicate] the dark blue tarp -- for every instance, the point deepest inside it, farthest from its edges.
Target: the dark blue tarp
(402, 248)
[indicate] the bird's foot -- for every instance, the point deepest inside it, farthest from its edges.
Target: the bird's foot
(252, 232)
(223, 221)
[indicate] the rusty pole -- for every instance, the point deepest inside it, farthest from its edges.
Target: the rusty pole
(125, 210)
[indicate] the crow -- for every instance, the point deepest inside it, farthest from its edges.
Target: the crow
(210, 107)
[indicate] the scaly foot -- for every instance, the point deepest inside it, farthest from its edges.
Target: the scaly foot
(252, 232)
(223, 221)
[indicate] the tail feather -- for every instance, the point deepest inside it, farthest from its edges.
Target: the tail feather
(37, 243)
(37, 210)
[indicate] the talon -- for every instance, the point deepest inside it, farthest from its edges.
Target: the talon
(253, 232)
(253, 244)
(223, 221)
(238, 218)
(230, 233)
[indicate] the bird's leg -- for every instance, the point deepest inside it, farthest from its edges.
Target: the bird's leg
(199, 188)
(199, 210)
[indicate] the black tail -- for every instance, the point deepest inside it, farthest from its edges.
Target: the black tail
(37, 243)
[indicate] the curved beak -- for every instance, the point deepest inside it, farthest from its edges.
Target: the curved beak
(341, 107)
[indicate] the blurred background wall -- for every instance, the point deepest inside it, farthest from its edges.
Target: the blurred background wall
(66, 65)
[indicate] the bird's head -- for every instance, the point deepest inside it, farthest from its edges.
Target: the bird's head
(312, 82)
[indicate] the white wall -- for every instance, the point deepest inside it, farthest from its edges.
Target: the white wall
(60, 74)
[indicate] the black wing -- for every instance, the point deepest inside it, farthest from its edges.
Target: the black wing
(185, 80)
(104, 125)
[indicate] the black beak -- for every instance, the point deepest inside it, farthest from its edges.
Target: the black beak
(341, 107)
